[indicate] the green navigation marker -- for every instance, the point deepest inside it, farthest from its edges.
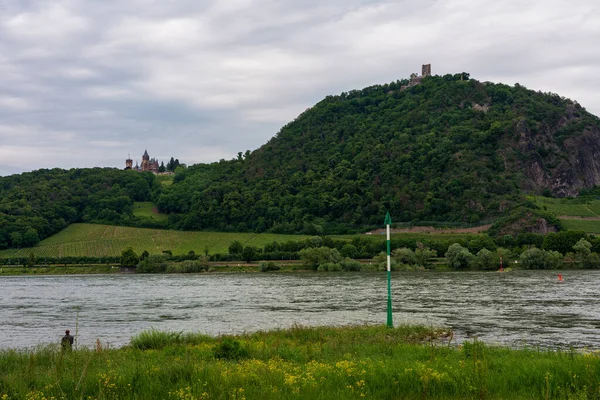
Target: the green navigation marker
(388, 222)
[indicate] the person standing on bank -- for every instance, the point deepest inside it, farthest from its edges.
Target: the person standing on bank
(67, 341)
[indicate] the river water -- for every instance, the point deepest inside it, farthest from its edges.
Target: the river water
(518, 308)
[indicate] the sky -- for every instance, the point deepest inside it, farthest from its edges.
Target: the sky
(85, 83)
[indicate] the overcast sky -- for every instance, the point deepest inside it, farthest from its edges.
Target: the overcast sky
(86, 82)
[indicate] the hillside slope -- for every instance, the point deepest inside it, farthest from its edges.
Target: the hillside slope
(448, 149)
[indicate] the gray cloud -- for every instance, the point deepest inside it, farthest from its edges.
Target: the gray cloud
(86, 83)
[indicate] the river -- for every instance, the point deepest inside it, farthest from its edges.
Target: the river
(517, 308)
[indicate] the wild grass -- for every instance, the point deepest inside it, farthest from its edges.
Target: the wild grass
(300, 363)
(148, 209)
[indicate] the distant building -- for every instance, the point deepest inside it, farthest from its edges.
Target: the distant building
(425, 70)
(148, 164)
(415, 79)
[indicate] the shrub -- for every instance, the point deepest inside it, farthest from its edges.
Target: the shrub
(348, 264)
(540, 259)
(153, 264)
(129, 258)
(313, 257)
(230, 349)
(458, 257)
(268, 266)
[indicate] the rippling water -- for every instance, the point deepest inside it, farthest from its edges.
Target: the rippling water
(516, 308)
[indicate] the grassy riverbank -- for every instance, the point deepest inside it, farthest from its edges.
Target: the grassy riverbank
(300, 363)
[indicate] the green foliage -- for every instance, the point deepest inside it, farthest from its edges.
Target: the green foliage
(485, 260)
(265, 266)
(562, 242)
(236, 247)
(187, 266)
(535, 258)
(129, 258)
(249, 253)
(230, 349)
(444, 150)
(404, 256)
(458, 257)
(154, 263)
(314, 257)
(31, 260)
(523, 219)
(584, 256)
(38, 204)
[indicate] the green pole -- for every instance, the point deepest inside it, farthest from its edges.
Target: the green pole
(388, 222)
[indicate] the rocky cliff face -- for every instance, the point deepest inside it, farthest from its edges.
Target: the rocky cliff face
(563, 168)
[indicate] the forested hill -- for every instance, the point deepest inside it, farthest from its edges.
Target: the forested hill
(37, 204)
(448, 149)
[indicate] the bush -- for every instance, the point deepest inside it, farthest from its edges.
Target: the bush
(458, 257)
(268, 266)
(540, 259)
(230, 349)
(153, 264)
(313, 257)
(188, 266)
(349, 264)
(129, 258)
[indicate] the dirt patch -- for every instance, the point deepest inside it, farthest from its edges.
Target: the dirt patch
(431, 229)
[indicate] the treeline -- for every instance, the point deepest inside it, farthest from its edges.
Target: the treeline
(328, 254)
(444, 150)
(38, 204)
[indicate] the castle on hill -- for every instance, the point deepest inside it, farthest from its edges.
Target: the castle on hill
(148, 164)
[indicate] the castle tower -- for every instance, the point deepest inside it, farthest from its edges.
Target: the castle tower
(145, 161)
(128, 162)
(426, 70)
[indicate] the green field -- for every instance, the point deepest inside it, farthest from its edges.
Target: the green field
(569, 207)
(148, 209)
(586, 225)
(580, 215)
(105, 240)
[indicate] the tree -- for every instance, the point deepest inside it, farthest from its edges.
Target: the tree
(249, 253)
(162, 167)
(314, 256)
(404, 256)
(31, 260)
(129, 258)
(584, 256)
(30, 238)
(349, 250)
(483, 260)
(423, 254)
(535, 258)
(562, 242)
(236, 247)
(16, 239)
(458, 257)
